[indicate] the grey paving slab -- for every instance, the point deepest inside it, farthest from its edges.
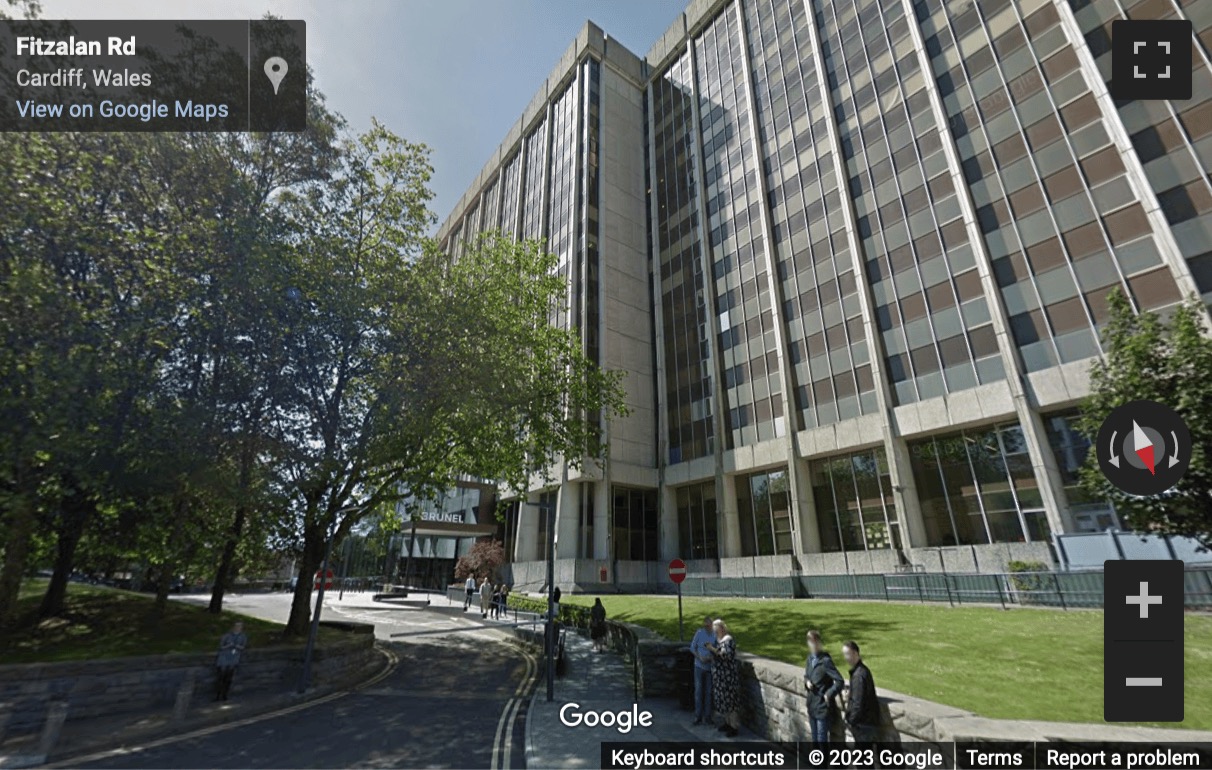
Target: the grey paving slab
(602, 682)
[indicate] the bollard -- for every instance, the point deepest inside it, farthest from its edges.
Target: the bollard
(56, 715)
(184, 695)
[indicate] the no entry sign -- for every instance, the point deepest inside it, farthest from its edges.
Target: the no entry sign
(677, 570)
(327, 582)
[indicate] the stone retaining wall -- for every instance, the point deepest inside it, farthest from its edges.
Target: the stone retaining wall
(113, 686)
(773, 705)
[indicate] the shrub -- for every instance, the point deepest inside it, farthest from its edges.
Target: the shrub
(1026, 577)
(570, 615)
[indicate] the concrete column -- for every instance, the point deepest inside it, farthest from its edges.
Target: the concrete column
(1043, 462)
(601, 519)
(670, 536)
(708, 270)
(568, 520)
(904, 494)
(527, 545)
(729, 516)
(803, 502)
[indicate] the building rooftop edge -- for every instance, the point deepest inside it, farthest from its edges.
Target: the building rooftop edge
(591, 37)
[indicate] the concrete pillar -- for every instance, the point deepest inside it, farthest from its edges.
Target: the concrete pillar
(568, 519)
(527, 546)
(803, 511)
(601, 519)
(670, 536)
(729, 516)
(904, 493)
(185, 694)
(1047, 474)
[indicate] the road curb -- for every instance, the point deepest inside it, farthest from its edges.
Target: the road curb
(529, 731)
(174, 731)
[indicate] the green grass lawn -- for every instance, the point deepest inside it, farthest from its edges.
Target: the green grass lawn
(102, 622)
(1016, 664)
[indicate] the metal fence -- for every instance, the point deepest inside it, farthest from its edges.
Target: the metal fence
(1065, 590)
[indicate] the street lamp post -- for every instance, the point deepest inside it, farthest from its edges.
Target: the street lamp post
(551, 642)
(412, 545)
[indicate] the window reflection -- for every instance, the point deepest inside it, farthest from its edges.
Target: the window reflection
(854, 508)
(764, 505)
(1090, 513)
(635, 524)
(978, 487)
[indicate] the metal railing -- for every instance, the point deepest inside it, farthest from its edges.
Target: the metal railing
(620, 638)
(1065, 590)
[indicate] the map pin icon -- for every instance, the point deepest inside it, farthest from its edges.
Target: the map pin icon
(275, 70)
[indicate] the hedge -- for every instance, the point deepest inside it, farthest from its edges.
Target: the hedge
(570, 615)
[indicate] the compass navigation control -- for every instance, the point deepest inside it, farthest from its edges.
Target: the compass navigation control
(1143, 447)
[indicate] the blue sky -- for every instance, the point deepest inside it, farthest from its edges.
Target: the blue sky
(454, 74)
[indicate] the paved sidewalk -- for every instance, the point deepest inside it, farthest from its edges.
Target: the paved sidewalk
(601, 682)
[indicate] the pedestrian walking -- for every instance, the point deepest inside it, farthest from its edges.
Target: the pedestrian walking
(485, 598)
(505, 600)
(700, 646)
(725, 678)
(470, 587)
(496, 601)
(597, 624)
(862, 704)
(231, 647)
(824, 682)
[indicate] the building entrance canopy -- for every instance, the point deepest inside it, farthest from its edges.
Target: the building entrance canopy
(426, 528)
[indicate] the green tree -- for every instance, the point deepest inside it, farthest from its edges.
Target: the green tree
(1168, 361)
(411, 369)
(86, 301)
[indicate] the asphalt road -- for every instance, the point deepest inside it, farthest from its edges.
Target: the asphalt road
(455, 699)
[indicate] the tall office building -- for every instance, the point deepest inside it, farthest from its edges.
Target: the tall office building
(854, 256)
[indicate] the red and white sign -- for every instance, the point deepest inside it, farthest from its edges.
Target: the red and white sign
(327, 582)
(677, 570)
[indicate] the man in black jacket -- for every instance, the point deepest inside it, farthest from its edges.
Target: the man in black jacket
(824, 682)
(862, 707)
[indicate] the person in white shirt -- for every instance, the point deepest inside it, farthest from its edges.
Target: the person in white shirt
(470, 587)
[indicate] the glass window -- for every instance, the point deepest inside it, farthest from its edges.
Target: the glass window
(764, 503)
(697, 521)
(1070, 448)
(635, 524)
(854, 507)
(977, 487)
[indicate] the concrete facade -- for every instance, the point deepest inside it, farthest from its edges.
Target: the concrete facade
(856, 288)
